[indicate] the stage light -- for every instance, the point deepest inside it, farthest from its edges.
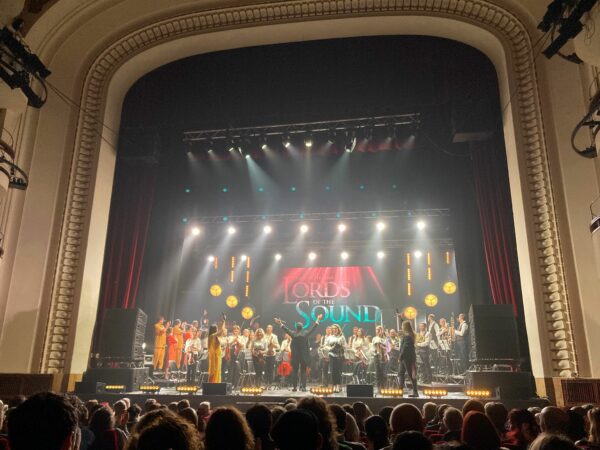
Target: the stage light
(143, 346)
(231, 230)
(341, 227)
(380, 226)
(247, 156)
(321, 391)
(267, 229)
(187, 190)
(264, 145)
(308, 142)
(380, 255)
(303, 228)
(421, 225)
(186, 389)
(478, 393)
(149, 388)
(392, 392)
(312, 256)
(114, 388)
(277, 256)
(293, 189)
(435, 393)
(244, 257)
(287, 141)
(225, 190)
(344, 256)
(195, 231)
(418, 253)
(252, 390)
(211, 258)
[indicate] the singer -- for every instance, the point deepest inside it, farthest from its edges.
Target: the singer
(215, 355)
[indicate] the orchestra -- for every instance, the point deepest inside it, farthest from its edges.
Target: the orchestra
(440, 352)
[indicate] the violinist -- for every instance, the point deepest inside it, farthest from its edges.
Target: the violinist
(236, 343)
(193, 347)
(272, 347)
(259, 350)
(422, 343)
(379, 344)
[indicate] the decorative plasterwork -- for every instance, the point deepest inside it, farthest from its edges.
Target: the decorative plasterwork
(518, 44)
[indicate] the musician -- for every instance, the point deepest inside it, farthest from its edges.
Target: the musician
(195, 326)
(160, 340)
(360, 345)
(408, 357)
(434, 334)
(251, 338)
(462, 337)
(236, 343)
(324, 358)
(336, 343)
(284, 367)
(171, 351)
(259, 350)
(394, 349)
(215, 354)
(178, 335)
(422, 343)
(351, 339)
(300, 352)
(272, 347)
(223, 339)
(314, 357)
(379, 346)
(193, 347)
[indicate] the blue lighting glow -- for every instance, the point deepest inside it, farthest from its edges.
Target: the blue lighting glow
(362, 187)
(225, 219)
(225, 190)
(328, 188)
(293, 189)
(261, 189)
(187, 190)
(394, 186)
(184, 220)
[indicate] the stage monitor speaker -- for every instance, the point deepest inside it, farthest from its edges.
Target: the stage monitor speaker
(131, 377)
(359, 390)
(493, 332)
(216, 388)
(508, 385)
(123, 333)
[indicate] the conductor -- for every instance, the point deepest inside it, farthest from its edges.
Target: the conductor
(300, 350)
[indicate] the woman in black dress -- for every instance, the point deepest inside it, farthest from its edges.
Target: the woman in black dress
(408, 357)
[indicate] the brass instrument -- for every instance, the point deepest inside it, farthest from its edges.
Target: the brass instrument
(452, 329)
(420, 338)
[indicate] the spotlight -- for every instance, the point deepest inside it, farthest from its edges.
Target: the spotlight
(435, 393)
(247, 156)
(421, 225)
(114, 388)
(149, 388)
(303, 228)
(244, 257)
(380, 255)
(267, 229)
(342, 227)
(321, 391)
(211, 258)
(250, 390)
(195, 231)
(312, 256)
(478, 393)
(231, 230)
(308, 142)
(380, 226)
(344, 255)
(263, 143)
(186, 389)
(392, 392)
(277, 256)
(287, 141)
(418, 253)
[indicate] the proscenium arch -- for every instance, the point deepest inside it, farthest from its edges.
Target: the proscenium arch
(491, 29)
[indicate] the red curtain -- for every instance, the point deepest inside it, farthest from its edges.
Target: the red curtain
(496, 218)
(131, 207)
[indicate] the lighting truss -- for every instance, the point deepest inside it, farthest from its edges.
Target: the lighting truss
(357, 125)
(330, 216)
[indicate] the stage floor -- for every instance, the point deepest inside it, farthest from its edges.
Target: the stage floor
(273, 397)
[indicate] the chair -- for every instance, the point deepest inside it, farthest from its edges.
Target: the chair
(247, 370)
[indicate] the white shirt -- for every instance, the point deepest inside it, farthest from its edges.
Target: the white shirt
(433, 328)
(359, 343)
(285, 345)
(193, 345)
(377, 341)
(272, 339)
(426, 340)
(332, 340)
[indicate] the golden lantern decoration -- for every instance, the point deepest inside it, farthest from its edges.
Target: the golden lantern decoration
(231, 301)
(410, 312)
(449, 287)
(247, 312)
(215, 290)
(431, 300)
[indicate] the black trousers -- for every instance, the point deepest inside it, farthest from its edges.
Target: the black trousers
(259, 367)
(463, 354)
(407, 366)
(269, 367)
(192, 369)
(324, 370)
(299, 365)
(426, 364)
(337, 364)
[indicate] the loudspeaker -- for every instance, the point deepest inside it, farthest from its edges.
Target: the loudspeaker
(508, 385)
(493, 333)
(216, 388)
(359, 390)
(130, 377)
(123, 334)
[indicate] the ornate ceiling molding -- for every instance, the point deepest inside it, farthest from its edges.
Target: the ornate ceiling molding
(540, 207)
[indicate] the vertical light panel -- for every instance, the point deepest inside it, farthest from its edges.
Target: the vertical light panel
(247, 291)
(408, 275)
(429, 266)
(448, 258)
(232, 273)
(216, 263)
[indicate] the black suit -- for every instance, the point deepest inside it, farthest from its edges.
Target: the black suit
(300, 353)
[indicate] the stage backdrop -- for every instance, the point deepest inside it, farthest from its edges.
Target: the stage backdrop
(257, 289)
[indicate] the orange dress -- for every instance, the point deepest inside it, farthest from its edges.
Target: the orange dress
(214, 358)
(172, 348)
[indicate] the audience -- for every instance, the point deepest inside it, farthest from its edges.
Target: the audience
(227, 429)
(376, 430)
(259, 420)
(48, 421)
(479, 433)
(522, 429)
(297, 430)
